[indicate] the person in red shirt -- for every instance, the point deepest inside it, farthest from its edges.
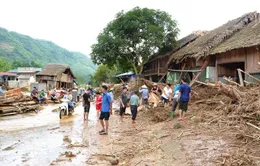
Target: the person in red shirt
(98, 103)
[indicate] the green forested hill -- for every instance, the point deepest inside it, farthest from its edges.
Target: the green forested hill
(24, 49)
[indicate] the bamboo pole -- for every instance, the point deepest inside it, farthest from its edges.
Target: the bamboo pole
(204, 66)
(250, 124)
(183, 67)
(232, 82)
(240, 78)
(249, 75)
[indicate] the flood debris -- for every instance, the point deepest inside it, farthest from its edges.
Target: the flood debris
(114, 162)
(11, 147)
(177, 126)
(54, 128)
(17, 104)
(69, 154)
(67, 139)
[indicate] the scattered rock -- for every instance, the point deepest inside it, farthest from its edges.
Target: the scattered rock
(66, 139)
(196, 119)
(177, 126)
(161, 134)
(55, 110)
(10, 147)
(69, 154)
(55, 128)
(114, 162)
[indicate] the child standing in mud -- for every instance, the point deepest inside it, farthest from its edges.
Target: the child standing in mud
(98, 103)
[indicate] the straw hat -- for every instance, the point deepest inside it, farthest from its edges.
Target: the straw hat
(144, 87)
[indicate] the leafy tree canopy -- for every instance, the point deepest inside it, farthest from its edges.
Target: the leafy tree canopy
(4, 64)
(102, 74)
(133, 37)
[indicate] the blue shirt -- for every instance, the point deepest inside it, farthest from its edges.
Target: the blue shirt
(185, 92)
(111, 95)
(134, 100)
(176, 88)
(106, 101)
(145, 93)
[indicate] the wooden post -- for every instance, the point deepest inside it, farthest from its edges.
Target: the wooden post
(183, 67)
(249, 75)
(204, 66)
(240, 77)
(216, 71)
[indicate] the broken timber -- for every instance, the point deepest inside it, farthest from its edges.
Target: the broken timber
(204, 66)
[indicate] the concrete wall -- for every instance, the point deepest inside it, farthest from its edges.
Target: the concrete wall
(39, 86)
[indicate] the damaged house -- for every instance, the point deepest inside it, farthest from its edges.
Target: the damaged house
(56, 76)
(221, 51)
(155, 68)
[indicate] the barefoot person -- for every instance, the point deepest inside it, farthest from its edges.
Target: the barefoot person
(98, 103)
(134, 103)
(86, 103)
(123, 103)
(184, 94)
(106, 111)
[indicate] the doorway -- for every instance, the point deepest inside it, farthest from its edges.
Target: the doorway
(230, 70)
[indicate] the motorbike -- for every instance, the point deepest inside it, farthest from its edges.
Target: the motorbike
(64, 108)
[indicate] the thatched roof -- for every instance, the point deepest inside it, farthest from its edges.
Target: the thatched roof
(247, 37)
(54, 70)
(201, 47)
(181, 43)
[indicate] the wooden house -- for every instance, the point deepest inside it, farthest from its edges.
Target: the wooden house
(242, 51)
(202, 57)
(56, 76)
(157, 66)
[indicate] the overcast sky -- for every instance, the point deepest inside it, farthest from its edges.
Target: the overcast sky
(75, 24)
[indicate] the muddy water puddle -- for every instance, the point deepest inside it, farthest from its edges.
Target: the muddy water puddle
(44, 139)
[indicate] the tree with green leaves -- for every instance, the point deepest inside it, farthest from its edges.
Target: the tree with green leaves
(4, 64)
(103, 74)
(133, 37)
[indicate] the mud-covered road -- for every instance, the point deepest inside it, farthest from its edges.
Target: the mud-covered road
(44, 139)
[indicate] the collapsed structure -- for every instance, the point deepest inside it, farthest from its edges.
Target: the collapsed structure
(218, 53)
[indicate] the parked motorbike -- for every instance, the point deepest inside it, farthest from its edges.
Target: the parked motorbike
(64, 108)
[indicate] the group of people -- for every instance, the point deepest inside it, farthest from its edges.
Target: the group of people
(103, 107)
(133, 101)
(180, 95)
(38, 96)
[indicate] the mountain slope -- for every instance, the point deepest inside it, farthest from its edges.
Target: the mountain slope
(17, 47)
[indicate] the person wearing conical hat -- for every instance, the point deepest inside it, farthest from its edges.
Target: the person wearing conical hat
(145, 94)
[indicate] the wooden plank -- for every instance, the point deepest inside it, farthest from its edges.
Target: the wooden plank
(204, 66)
(249, 75)
(191, 71)
(183, 67)
(240, 78)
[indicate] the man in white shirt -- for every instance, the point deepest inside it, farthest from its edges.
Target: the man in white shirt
(166, 95)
